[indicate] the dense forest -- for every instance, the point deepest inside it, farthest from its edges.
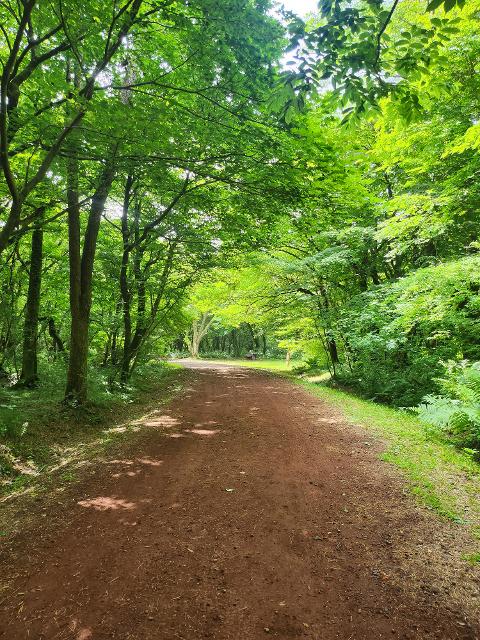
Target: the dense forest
(220, 178)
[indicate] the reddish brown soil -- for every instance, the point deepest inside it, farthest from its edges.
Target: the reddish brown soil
(247, 510)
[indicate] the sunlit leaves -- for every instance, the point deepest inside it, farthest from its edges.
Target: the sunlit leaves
(448, 5)
(469, 140)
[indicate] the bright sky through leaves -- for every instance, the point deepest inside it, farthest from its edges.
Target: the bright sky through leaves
(301, 7)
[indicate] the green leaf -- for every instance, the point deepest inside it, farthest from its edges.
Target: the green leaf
(435, 4)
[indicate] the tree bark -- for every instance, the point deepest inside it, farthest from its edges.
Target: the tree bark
(333, 350)
(124, 288)
(81, 276)
(264, 343)
(200, 328)
(29, 375)
(144, 323)
(57, 342)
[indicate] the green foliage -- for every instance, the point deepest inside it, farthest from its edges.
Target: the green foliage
(245, 213)
(376, 268)
(371, 50)
(171, 97)
(456, 410)
(400, 333)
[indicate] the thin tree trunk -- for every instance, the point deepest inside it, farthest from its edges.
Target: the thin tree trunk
(29, 375)
(57, 342)
(106, 351)
(254, 339)
(200, 329)
(124, 288)
(143, 324)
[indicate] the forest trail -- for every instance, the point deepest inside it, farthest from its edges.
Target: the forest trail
(247, 509)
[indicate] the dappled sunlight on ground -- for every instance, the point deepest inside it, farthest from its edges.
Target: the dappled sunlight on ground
(164, 421)
(130, 474)
(106, 503)
(150, 462)
(82, 633)
(154, 419)
(258, 521)
(204, 432)
(146, 461)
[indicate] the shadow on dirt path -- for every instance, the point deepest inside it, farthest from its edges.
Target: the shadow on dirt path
(248, 509)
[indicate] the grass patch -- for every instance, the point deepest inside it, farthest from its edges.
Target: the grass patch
(472, 558)
(267, 364)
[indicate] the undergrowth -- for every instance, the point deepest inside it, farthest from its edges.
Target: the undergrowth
(35, 427)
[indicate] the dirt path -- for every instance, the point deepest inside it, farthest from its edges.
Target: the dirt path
(248, 510)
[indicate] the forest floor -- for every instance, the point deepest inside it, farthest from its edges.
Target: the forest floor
(246, 508)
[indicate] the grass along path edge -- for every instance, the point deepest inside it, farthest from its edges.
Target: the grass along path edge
(442, 477)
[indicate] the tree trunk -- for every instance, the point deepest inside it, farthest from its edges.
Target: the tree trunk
(200, 328)
(113, 351)
(236, 343)
(134, 247)
(106, 351)
(81, 275)
(254, 345)
(29, 375)
(288, 357)
(76, 389)
(332, 348)
(124, 288)
(57, 342)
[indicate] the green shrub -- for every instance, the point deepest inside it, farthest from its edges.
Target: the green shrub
(457, 410)
(399, 333)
